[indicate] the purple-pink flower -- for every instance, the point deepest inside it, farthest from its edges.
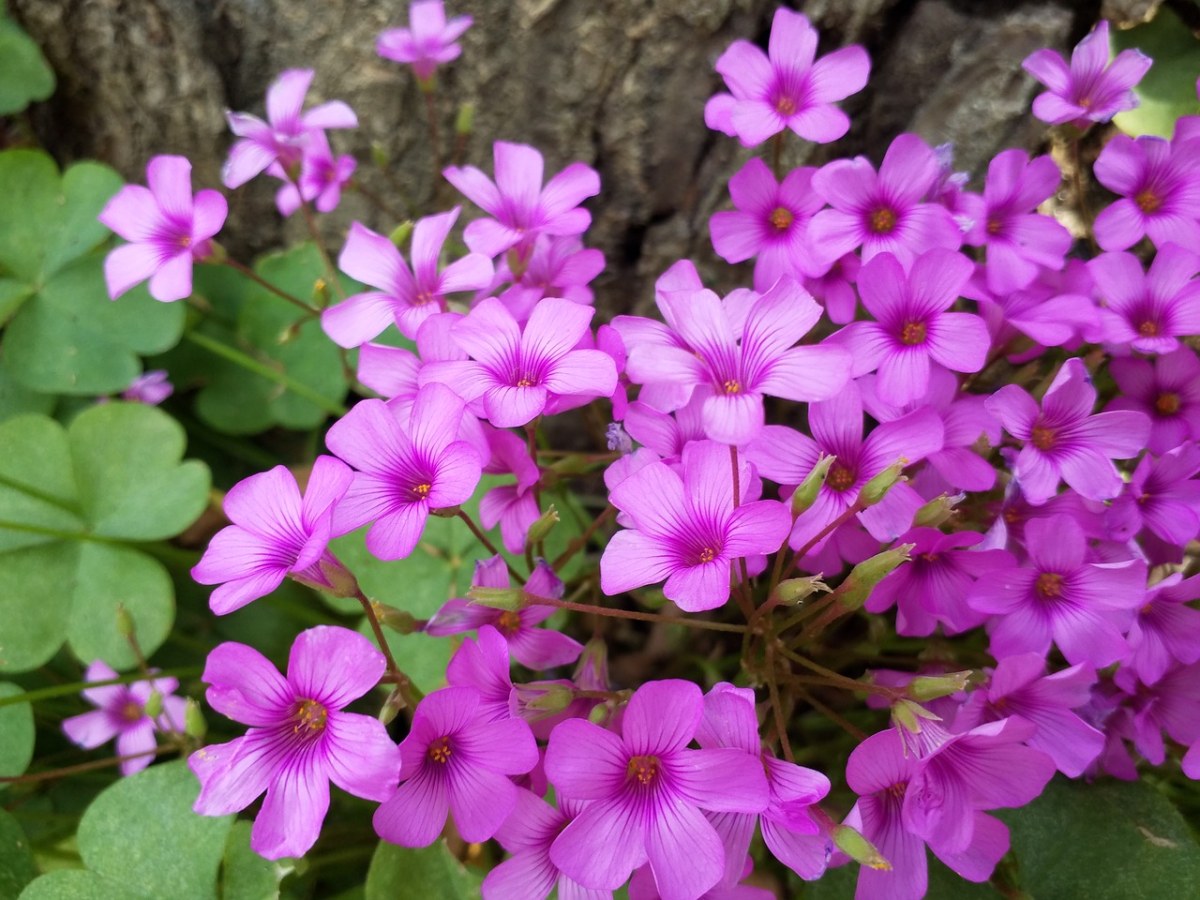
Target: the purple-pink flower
(785, 87)
(322, 177)
(300, 739)
(428, 41)
(1167, 390)
(275, 533)
(151, 388)
(519, 206)
(408, 462)
(404, 297)
(121, 713)
(455, 760)
(283, 138)
(167, 229)
(645, 791)
(687, 530)
(1159, 186)
(1150, 311)
(1089, 89)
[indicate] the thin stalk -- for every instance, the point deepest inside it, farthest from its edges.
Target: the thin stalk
(632, 614)
(777, 706)
(84, 767)
(580, 542)
(247, 272)
(837, 718)
(402, 682)
(75, 687)
(487, 542)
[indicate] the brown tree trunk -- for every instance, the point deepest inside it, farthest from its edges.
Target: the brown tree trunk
(620, 84)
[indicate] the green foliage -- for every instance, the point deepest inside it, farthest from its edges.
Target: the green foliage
(25, 75)
(1169, 89)
(63, 335)
(244, 874)
(1109, 839)
(302, 381)
(428, 872)
(140, 840)
(16, 741)
(16, 857)
(70, 501)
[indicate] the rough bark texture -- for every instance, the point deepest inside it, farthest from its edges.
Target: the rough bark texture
(620, 84)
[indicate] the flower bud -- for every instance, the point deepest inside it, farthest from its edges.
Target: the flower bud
(446, 512)
(125, 626)
(510, 599)
(876, 489)
(930, 687)
(391, 706)
(321, 294)
(465, 120)
(217, 254)
(591, 672)
(401, 233)
(937, 510)
(542, 527)
(806, 495)
(853, 592)
(396, 619)
(380, 155)
(154, 705)
(342, 582)
(617, 439)
(539, 700)
(858, 848)
(194, 725)
(576, 464)
(794, 590)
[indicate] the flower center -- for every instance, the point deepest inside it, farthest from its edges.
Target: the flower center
(423, 298)
(883, 220)
(509, 622)
(785, 106)
(732, 386)
(840, 478)
(643, 769)
(706, 555)
(1049, 585)
(131, 711)
(1167, 404)
(781, 219)
(898, 790)
(994, 226)
(526, 379)
(420, 491)
(930, 557)
(1148, 201)
(439, 751)
(1148, 328)
(912, 333)
(309, 717)
(1044, 437)
(185, 240)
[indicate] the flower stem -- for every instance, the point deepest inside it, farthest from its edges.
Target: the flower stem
(580, 542)
(247, 272)
(394, 675)
(66, 690)
(84, 767)
(487, 542)
(633, 614)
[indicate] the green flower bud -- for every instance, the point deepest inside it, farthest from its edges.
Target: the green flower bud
(794, 590)
(858, 848)
(806, 495)
(465, 120)
(391, 706)
(396, 619)
(937, 510)
(510, 599)
(342, 580)
(542, 527)
(380, 155)
(194, 725)
(907, 714)
(125, 626)
(876, 489)
(853, 592)
(930, 687)
(154, 705)
(401, 233)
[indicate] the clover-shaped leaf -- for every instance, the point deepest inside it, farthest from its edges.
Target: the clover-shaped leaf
(71, 501)
(25, 75)
(16, 737)
(1168, 90)
(62, 333)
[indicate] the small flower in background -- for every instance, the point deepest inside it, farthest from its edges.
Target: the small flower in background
(785, 88)
(167, 229)
(1167, 390)
(322, 177)
(1089, 89)
(1159, 186)
(121, 713)
(274, 534)
(301, 738)
(1150, 311)
(151, 388)
(429, 40)
(286, 134)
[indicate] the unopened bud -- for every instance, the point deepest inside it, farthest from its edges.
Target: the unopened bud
(858, 848)
(876, 489)
(380, 155)
(806, 495)
(391, 706)
(289, 334)
(930, 687)
(401, 233)
(154, 705)
(793, 590)
(599, 714)
(937, 510)
(446, 512)
(591, 672)
(194, 725)
(396, 619)
(465, 120)
(853, 592)
(541, 699)
(125, 626)
(217, 254)
(342, 582)
(510, 599)
(542, 527)
(575, 464)
(321, 294)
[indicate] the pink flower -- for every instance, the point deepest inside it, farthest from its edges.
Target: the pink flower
(428, 41)
(287, 132)
(1166, 630)
(151, 388)
(645, 791)
(688, 531)
(520, 207)
(121, 713)
(274, 534)
(1150, 311)
(1159, 187)
(322, 177)
(301, 737)
(455, 760)
(167, 228)
(1089, 89)
(557, 267)
(1167, 390)
(1162, 496)
(513, 506)
(786, 89)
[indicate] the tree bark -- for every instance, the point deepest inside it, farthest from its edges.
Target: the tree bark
(619, 84)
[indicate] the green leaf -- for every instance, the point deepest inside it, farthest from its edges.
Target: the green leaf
(16, 746)
(24, 73)
(944, 884)
(1168, 90)
(428, 872)
(68, 499)
(244, 874)
(78, 884)
(15, 399)
(141, 833)
(1109, 839)
(16, 857)
(65, 335)
(306, 380)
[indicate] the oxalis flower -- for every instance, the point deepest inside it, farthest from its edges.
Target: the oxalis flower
(428, 41)
(647, 791)
(301, 738)
(1159, 184)
(167, 229)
